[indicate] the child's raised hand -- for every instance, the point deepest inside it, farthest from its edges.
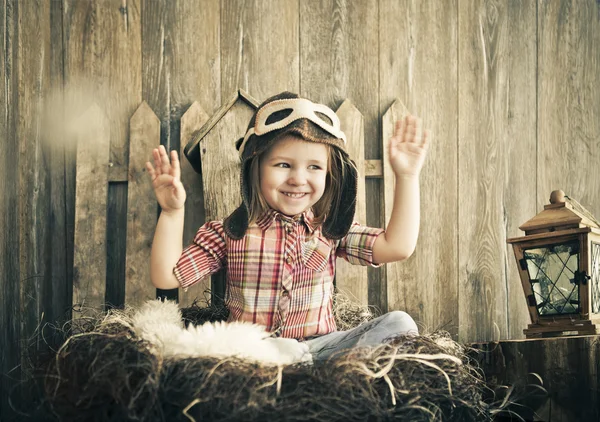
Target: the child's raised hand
(408, 147)
(166, 181)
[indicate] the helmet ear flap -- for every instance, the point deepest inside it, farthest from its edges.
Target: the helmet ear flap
(236, 224)
(238, 143)
(341, 215)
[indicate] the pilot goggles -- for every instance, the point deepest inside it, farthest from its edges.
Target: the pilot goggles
(299, 108)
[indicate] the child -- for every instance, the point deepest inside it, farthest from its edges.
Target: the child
(296, 217)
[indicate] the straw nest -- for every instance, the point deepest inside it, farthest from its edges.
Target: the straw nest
(97, 369)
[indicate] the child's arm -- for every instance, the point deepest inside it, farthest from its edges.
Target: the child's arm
(407, 151)
(168, 237)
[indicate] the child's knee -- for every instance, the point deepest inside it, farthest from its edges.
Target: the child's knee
(402, 322)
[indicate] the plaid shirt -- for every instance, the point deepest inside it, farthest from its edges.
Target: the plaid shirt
(280, 274)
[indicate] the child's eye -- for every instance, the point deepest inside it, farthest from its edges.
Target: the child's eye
(314, 167)
(282, 165)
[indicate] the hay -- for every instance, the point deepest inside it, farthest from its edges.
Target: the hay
(103, 372)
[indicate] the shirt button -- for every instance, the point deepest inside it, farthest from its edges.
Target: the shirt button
(288, 260)
(285, 293)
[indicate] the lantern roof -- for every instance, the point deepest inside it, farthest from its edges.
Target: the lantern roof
(562, 213)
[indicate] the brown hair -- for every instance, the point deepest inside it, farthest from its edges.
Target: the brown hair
(336, 170)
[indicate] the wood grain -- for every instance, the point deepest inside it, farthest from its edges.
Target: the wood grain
(418, 65)
(103, 64)
(141, 209)
(567, 368)
(180, 60)
(497, 144)
(193, 119)
(352, 280)
(259, 47)
(338, 61)
(59, 251)
(10, 322)
(569, 101)
(89, 266)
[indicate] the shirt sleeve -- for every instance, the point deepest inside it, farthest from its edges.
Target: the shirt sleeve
(206, 255)
(357, 246)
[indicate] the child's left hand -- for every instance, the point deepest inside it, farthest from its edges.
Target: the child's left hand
(408, 147)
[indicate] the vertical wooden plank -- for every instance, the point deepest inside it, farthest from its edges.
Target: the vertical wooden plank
(568, 101)
(418, 64)
(103, 64)
(116, 244)
(191, 122)
(520, 140)
(10, 325)
(178, 69)
(141, 206)
(89, 269)
(102, 61)
(338, 60)
(33, 74)
(351, 280)
(259, 47)
(496, 147)
(59, 297)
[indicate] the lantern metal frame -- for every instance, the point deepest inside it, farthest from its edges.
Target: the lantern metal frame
(562, 223)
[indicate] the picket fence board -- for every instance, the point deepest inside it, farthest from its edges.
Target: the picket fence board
(89, 261)
(351, 280)
(144, 135)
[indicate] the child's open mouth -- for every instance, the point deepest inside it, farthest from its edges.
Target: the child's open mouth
(294, 195)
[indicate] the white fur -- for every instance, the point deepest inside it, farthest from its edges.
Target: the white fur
(160, 323)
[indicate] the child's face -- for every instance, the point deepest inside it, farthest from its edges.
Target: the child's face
(293, 174)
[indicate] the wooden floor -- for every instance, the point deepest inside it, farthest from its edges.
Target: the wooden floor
(568, 368)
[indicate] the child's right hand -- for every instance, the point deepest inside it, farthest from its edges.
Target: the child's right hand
(166, 181)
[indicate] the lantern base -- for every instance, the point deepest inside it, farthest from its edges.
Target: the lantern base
(562, 328)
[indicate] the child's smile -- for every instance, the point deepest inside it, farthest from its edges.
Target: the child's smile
(293, 174)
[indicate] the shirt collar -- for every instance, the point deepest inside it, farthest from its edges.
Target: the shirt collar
(271, 215)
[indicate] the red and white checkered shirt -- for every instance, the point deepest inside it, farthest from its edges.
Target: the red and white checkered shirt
(280, 274)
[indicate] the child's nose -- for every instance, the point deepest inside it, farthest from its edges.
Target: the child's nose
(297, 177)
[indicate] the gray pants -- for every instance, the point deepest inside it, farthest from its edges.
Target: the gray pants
(372, 333)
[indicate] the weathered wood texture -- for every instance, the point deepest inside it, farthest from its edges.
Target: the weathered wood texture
(351, 280)
(103, 60)
(91, 197)
(259, 47)
(568, 101)
(191, 122)
(509, 90)
(418, 65)
(141, 206)
(568, 368)
(10, 282)
(33, 179)
(497, 146)
(180, 60)
(338, 57)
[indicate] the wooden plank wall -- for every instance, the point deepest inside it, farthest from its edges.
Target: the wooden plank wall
(510, 90)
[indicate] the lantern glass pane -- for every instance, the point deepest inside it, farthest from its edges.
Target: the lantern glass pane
(595, 277)
(551, 274)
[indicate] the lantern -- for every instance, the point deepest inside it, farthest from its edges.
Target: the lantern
(559, 264)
